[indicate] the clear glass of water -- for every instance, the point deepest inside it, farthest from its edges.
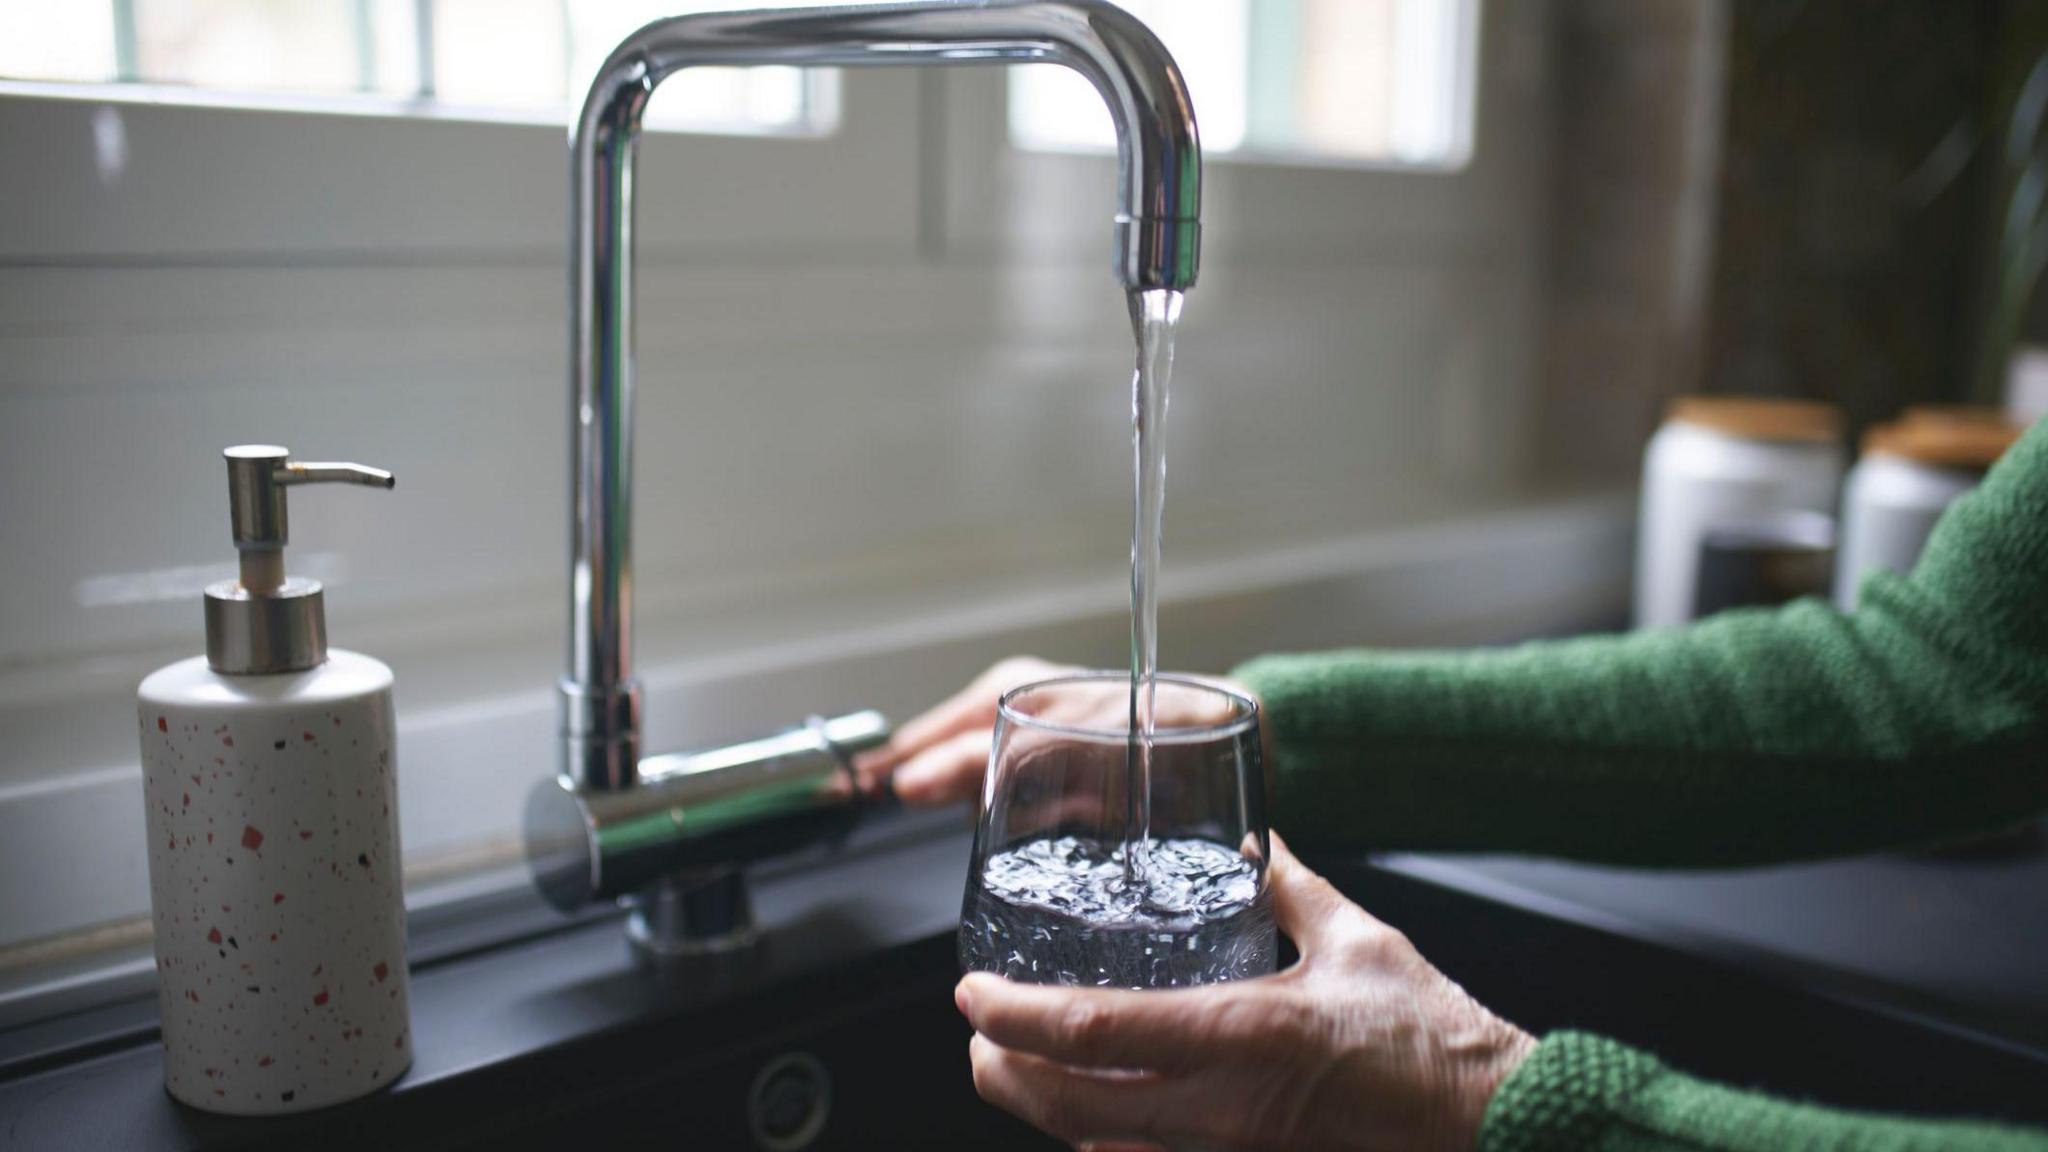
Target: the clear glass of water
(1097, 864)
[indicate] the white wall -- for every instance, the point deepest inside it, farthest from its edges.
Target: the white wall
(879, 372)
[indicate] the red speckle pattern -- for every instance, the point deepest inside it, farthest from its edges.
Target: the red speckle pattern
(251, 1024)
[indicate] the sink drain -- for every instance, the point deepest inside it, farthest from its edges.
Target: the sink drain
(789, 1103)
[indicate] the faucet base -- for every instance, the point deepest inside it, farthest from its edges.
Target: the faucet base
(679, 918)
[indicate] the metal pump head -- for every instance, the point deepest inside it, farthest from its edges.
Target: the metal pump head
(267, 622)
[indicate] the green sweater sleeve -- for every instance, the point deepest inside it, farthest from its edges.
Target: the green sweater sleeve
(1582, 1093)
(1753, 737)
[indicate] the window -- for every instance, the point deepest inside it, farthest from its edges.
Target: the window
(495, 57)
(1362, 81)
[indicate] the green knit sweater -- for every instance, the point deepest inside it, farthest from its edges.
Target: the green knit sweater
(1753, 737)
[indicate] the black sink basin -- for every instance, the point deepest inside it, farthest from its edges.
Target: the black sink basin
(871, 1055)
(841, 1031)
(881, 1038)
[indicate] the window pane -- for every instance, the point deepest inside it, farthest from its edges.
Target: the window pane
(500, 53)
(1053, 107)
(529, 56)
(264, 45)
(1385, 81)
(43, 41)
(706, 99)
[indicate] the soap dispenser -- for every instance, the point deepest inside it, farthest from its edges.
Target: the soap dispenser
(273, 833)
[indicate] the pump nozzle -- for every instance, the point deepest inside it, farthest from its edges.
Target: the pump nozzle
(325, 472)
(267, 622)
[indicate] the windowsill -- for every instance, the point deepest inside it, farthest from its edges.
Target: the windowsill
(368, 104)
(1298, 158)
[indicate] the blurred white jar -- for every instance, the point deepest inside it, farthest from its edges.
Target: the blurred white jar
(1718, 459)
(1909, 474)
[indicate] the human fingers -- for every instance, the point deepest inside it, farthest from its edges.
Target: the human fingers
(1169, 1030)
(1308, 909)
(1092, 1108)
(946, 772)
(972, 707)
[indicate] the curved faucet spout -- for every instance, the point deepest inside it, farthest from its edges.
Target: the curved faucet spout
(1156, 233)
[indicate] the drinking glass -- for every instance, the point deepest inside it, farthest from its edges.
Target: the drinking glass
(1054, 897)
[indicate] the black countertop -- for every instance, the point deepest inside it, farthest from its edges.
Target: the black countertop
(1948, 957)
(1960, 937)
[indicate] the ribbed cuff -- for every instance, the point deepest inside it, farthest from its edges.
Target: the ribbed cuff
(1569, 1090)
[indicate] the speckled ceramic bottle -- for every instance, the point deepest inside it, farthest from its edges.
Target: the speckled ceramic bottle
(273, 836)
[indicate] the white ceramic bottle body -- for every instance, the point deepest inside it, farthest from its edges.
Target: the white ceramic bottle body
(1695, 477)
(274, 883)
(1889, 507)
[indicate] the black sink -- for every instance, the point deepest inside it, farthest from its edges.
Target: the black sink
(883, 1034)
(870, 1055)
(841, 1031)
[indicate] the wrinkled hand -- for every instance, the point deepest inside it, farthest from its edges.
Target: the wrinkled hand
(1362, 1045)
(939, 757)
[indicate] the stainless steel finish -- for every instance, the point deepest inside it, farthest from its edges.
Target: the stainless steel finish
(267, 622)
(280, 631)
(680, 918)
(789, 1103)
(256, 507)
(332, 472)
(1156, 235)
(694, 812)
(258, 474)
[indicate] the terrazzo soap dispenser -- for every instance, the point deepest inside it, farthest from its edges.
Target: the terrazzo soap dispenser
(273, 834)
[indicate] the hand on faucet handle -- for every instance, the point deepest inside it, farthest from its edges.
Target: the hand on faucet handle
(939, 757)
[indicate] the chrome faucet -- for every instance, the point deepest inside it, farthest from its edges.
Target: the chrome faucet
(1156, 235)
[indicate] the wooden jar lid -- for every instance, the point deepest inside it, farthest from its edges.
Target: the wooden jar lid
(1756, 418)
(1944, 439)
(1954, 414)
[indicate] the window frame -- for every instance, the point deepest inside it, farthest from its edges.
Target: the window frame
(997, 191)
(1472, 14)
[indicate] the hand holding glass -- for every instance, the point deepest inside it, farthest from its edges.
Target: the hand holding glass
(1066, 886)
